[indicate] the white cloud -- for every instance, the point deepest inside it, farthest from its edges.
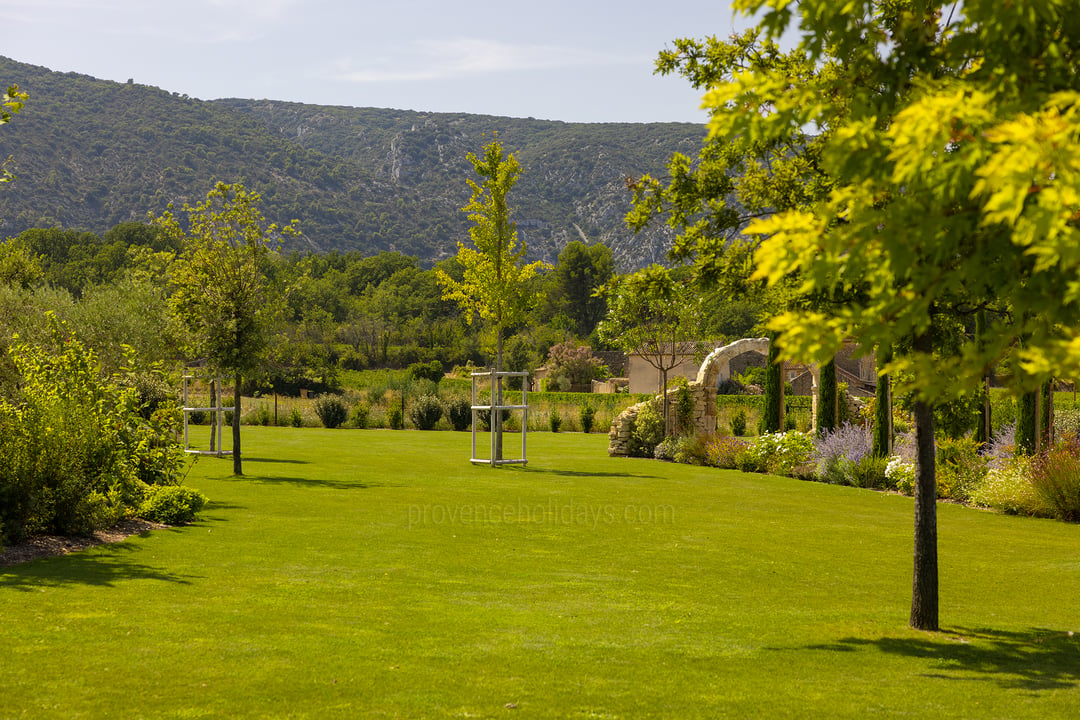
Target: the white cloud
(443, 59)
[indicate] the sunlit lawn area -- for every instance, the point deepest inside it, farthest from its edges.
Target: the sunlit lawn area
(378, 574)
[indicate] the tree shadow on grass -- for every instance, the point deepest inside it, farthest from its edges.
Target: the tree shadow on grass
(103, 566)
(589, 474)
(276, 460)
(1033, 660)
(307, 482)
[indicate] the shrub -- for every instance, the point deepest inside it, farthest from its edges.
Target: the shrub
(76, 445)
(554, 420)
(684, 405)
(723, 452)
(432, 371)
(361, 412)
(295, 418)
(838, 454)
(426, 412)
(331, 410)
(1007, 487)
(171, 504)
(648, 430)
(459, 412)
(960, 467)
(869, 472)
(196, 417)
(900, 474)
(666, 449)
(260, 415)
(738, 422)
(690, 450)
(575, 363)
(588, 415)
(395, 419)
(787, 453)
(1055, 476)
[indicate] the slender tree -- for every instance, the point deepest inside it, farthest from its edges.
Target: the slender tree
(952, 145)
(826, 412)
(655, 316)
(222, 296)
(495, 284)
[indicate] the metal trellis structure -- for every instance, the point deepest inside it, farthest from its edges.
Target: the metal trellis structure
(216, 418)
(497, 407)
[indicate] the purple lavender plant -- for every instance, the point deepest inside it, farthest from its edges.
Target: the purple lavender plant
(841, 449)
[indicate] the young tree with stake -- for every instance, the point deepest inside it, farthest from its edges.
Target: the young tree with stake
(495, 286)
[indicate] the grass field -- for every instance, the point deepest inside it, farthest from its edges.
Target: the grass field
(378, 574)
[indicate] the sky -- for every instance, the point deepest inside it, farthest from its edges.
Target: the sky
(575, 61)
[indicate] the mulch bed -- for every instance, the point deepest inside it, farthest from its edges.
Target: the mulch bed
(42, 546)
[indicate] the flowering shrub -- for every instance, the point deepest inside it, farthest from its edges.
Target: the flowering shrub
(1007, 487)
(723, 452)
(900, 475)
(786, 453)
(840, 452)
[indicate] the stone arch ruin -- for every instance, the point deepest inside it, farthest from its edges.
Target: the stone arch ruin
(715, 369)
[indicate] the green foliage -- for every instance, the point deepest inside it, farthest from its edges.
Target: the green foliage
(684, 406)
(432, 371)
(1055, 476)
(575, 363)
(425, 412)
(554, 419)
(959, 416)
(723, 451)
(172, 504)
(738, 423)
(495, 283)
(690, 450)
(647, 431)
(574, 283)
(1008, 488)
(960, 467)
(774, 388)
(331, 410)
(787, 453)
(361, 414)
(296, 418)
(75, 446)
(828, 399)
(900, 474)
(395, 419)
(459, 412)
(587, 416)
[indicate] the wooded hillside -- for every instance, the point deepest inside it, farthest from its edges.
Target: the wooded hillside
(90, 154)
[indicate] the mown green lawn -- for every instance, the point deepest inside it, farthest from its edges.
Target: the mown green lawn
(378, 574)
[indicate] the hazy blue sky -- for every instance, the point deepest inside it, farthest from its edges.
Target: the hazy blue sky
(582, 61)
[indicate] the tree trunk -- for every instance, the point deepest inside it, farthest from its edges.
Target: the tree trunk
(214, 390)
(883, 427)
(236, 461)
(497, 400)
(827, 399)
(924, 595)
